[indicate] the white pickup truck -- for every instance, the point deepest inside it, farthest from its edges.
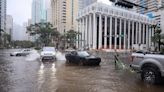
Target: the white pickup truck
(48, 53)
(151, 66)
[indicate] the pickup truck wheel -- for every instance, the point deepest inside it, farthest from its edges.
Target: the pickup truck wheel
(150, 75)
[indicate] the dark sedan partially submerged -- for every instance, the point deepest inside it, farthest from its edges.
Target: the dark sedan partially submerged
(82, 58)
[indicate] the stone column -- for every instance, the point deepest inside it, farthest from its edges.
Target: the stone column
(120, 33)
(86, 30)
(150, 33)
(100, 31)
(125, 36)
(110, 33)
(136, 32)
(78, 36)
(152, 36)
(115, 36)
(83, 32)
(128, 34)
(139, 32)
(94, 31)
(132, 33)
(90, 30)
(143, 40)
(147, 36)
(105, 30)
(80, 33)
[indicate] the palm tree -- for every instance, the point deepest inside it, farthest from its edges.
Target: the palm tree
(44, 31)
(7, 39)
(71, 37)
(1, 43)
(56, 37)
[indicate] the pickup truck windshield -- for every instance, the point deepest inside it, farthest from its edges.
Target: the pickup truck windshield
(48, 49)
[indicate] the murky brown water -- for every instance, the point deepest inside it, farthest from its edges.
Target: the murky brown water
(18, 74)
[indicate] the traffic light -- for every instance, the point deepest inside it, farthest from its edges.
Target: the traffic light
(122, 3)
(126, 3)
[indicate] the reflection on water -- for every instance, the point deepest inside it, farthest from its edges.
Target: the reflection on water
(41, 69)
(53, 68)
(5, 70)
(47, 76)
(17, 74)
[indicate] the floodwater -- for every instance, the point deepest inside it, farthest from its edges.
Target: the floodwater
(29, 74)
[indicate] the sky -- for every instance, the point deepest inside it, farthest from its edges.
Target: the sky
(20, 10)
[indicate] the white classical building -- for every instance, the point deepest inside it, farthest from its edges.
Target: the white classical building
(106, 26)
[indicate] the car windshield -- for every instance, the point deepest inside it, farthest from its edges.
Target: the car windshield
(48, 49)
(83, 53)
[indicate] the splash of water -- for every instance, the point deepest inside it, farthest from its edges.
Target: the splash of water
(34, 55)
(60, 56)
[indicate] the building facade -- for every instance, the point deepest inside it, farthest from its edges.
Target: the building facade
(9, 24)
(3, 14)
(151, 5)
(59, 14)
(38, 11)
(162, 2)
(152, 9)
(71, 14)
(3, 4)
(109, 27)
(162, 19)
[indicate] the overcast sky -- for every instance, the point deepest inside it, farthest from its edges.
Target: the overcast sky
(20, 10)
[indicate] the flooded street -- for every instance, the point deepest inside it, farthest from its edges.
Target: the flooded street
(29, 74)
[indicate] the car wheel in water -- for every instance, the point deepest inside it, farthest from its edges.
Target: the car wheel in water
(67, 61)
(81, 63)
(150, 75)
(18, 55)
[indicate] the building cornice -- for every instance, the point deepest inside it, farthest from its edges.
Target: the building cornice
(110, 10)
